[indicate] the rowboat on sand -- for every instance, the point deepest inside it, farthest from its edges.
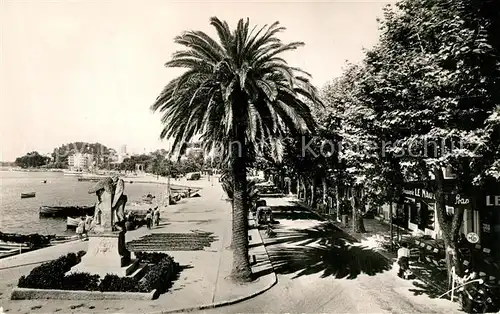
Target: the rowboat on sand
(28, 195)
(66, 211)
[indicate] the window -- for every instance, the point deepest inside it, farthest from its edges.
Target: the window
(414, 214)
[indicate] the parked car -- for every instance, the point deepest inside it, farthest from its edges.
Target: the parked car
(193, 176)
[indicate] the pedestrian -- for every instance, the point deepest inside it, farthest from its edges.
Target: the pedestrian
(80, 230)
(403, 259)
(157, 216)
(149, 217)
(88, 223)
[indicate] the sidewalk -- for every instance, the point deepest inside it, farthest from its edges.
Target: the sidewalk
(203, 283)
(377, 238)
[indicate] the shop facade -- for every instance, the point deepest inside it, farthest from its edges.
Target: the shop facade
(417, 213)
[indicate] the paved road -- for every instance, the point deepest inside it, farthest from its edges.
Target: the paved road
(321, 271)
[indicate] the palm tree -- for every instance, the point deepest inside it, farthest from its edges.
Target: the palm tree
(236, 91)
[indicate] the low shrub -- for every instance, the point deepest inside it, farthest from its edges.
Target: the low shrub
(120, 284)
(152, 258)
(160, 275)
(50, 275)
(81, 281)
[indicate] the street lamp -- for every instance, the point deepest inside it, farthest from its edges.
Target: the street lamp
(169, 169)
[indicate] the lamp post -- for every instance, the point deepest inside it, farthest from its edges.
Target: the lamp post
(169, 169)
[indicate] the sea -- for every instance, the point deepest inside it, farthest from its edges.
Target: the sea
(21, 215)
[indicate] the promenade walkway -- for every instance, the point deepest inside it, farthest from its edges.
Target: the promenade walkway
(203, 282)
(321, 269)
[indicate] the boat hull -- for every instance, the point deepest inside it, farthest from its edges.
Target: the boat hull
(66, 211)
(28, 195)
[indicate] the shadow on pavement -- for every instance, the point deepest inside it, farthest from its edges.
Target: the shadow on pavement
(432, 291)
(333, 254)
(294, 211)
(432, 280)
(175, 276)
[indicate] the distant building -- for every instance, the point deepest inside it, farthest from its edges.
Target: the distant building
(194, 149)
(121, 157)
(79, 161)
(123, 149)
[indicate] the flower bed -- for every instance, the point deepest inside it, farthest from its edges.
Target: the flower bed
(172, 242)
(52, 275)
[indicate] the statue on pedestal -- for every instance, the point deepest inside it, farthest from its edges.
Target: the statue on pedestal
(110, 206)
(109, 213)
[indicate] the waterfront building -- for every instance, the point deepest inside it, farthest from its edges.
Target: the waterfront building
(80, 161)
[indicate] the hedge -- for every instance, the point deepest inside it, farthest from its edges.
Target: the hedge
(51, 275)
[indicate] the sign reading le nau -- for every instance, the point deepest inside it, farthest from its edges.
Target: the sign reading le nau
(419, 193)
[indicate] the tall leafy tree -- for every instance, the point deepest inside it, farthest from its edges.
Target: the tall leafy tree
(433, 81)
(347, 112)
(237, 91)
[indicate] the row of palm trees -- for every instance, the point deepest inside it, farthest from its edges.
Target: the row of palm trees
(237, 91)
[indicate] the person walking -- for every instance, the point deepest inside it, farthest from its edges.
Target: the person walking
(88, 223)
(80, 230)
(156, 215)
(149, 218)
(403, 259)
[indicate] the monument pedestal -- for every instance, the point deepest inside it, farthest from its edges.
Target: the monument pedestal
(106, 254)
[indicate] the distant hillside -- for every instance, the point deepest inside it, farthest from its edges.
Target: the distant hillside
(61, 154)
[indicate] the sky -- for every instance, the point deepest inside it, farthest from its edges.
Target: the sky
(89, 70)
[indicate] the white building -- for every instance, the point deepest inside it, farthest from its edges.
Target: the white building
(123, 149)
(80, 161)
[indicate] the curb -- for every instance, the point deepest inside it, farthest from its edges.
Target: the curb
(231, 301)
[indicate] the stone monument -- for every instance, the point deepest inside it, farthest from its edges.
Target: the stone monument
(106, 252)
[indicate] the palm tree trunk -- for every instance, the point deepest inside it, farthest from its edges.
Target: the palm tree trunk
(241, 271)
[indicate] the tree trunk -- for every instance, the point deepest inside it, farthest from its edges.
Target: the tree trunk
(241, 271)
(313, 194)
(304, 190)
(337, 201)
(357, 217)
(323, 182)
(391, 226)
(450, 227)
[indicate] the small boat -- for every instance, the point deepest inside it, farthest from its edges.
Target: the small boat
(44, 181)
(66, 211)
(28, 195)
(72, 223)
(90, 179)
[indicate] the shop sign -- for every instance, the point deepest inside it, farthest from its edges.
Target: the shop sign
(461, 201)
(486, 228)
(419, 193)
(492, 200)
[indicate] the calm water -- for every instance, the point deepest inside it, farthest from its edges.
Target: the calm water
(21, 215)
